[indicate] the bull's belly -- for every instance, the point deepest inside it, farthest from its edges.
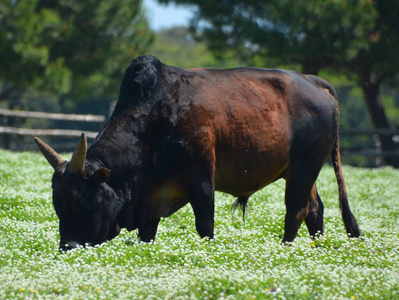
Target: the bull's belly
(243, 177)
(166, 199)
(239, 173)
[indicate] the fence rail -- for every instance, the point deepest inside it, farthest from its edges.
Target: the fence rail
(369, 153)
(46, 132)
(51, 116)
(375, 131)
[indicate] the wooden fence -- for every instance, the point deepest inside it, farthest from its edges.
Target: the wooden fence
(376, 151)
(49, 116)
(13, 132)
(12, 137)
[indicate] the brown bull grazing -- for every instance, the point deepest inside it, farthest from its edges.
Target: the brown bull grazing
(177, 135)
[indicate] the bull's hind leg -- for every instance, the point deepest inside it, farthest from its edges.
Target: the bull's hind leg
(298, 190)
(314, 220)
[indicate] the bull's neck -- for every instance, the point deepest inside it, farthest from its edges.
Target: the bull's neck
(120, 147)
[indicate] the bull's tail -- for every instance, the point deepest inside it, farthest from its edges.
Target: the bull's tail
(351, 226)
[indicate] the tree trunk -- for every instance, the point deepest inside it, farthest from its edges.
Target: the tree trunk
(371, 90)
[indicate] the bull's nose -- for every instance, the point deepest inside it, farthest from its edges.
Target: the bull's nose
(69, 245)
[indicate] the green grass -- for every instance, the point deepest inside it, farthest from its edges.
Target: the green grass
(242, 262)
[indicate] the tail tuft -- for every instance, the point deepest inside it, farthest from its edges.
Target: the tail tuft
(351, 226)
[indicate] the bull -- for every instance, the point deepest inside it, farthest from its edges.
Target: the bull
(178, 135)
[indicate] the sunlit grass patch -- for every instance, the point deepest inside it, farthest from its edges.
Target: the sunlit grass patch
(244, 261)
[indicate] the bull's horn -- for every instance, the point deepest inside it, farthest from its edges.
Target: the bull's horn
(77, 162)
(49, 153)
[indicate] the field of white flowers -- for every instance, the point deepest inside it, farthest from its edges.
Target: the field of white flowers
(242, 262)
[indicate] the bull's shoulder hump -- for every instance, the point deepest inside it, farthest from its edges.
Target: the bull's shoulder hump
(141, 77)
(144, 61)
(142, 68)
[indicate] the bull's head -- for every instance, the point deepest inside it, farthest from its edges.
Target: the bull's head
(86, 205)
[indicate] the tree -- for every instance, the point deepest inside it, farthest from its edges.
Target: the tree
(169, 43)
(379, 62)
(359, 37)
(69, 46)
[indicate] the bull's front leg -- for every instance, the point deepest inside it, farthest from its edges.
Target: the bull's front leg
(201, 196)
(148, 231)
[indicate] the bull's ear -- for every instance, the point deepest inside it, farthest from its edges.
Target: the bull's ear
(77, 163)
(49, 153)
(102, 175)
